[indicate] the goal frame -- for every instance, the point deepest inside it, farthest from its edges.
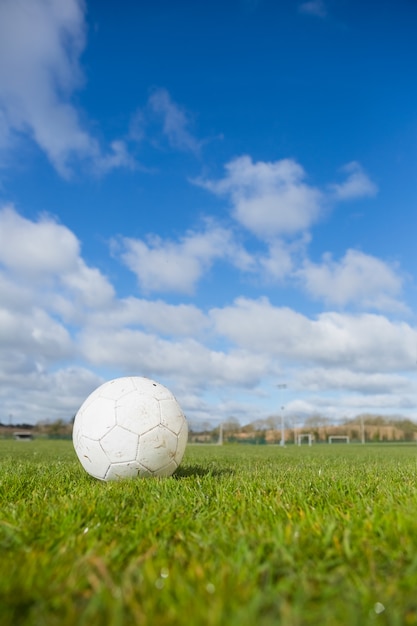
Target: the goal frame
(346, 438)
(307, 436)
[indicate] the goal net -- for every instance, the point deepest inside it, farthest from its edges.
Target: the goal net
(339, 439)
(303, 437)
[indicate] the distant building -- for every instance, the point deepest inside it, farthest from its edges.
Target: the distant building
(23, 436)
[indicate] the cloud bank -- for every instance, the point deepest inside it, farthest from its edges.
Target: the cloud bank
(41, 43)
(64, 329)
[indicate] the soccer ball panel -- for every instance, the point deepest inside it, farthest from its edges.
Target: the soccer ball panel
(117, 388)
(144, 472)
(97, 418)
(117, 471)
(92, 457)
(120, 445)
(152, 388)
(168, 470)
(171, 415)
(138, 412)
(182, 442)
(157, 448)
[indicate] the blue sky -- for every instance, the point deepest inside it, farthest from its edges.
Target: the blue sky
(218, 195)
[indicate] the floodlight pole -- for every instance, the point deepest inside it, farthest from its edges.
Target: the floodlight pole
(282, 442)
(282, 386)
(220, 442)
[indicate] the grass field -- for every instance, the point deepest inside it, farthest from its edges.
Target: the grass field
(240, 536)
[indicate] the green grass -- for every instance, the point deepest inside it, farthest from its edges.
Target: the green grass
(240, 536)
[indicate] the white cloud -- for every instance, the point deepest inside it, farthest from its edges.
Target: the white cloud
(358, 279)
(336, 379)
(40, 395)
(35, 249)
(269, 199)
(154, 316)
(175, 121)
(362, 342)
(278, 263)
(63, 329)
(42, 263)
(117, 157)
(36, 333)
(357, 185)
(385, 403)
(282, 258)
(313, 7)
(188, 361)
(41, 42)
(172, 266)
(340, 407)
(47, 255)
(46, 288)
(273, 200)
(88, 285)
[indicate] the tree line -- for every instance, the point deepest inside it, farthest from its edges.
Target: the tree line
(369, 428)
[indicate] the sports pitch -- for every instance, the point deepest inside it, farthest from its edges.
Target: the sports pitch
(239, 536)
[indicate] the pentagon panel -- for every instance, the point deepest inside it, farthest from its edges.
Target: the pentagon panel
(117, 388)
(138, 412)
(182, 442)
(118, 471)
(152, 388)
(92, 457)
(171, 415)
(167, 470)
(97, 418)
(120, 445)
(157, 448)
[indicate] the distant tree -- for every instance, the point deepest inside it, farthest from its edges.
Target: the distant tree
(249, 428)
(316, 420)
(229, 428)
(57, 428)
(231, 425)
(273, 422)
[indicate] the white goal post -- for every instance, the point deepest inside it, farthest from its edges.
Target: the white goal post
(307, 436)
(344, 438)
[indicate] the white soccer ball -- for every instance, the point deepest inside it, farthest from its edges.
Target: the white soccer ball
(130, 427)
